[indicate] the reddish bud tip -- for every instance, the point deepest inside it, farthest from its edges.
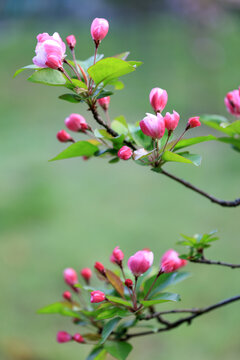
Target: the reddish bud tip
(125, 153)
(117, 256)
(70, 276)
(171, 262)
(63, 136)
(63, 337)
(158, 99)
(78, 338)
(99, 29)
(67, 295)
(104, 102)
(76, 122)
(99, 267)
(194, 122)
(86, 274)
(97, 296)
(71, 41)
(128, 283)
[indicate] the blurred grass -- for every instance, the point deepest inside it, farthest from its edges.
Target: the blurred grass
(72, 213)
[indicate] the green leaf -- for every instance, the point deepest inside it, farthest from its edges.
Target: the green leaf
(120, 125)
(110, 313)
(98, 353)
(114, 160)
(189, 142)
(108, 69)
(85, 64)
(71, 98)
(108, 329)
(194, 158)
(217, 122)
(160, 298)
(235, 127)
(119, 301)
(32, 66)
(134, 63)
(231, 140)
(104, 93)
(118, 85)
(139, 137)
(164, 281)
(48, 77)
(170, 156)
(80, 148)
(115, 281)
(119, 350)
(62, 308)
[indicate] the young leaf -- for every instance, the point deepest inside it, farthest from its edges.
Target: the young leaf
(85, 64)
(194, 158)
(98, 353)
(170, 156)
(119, 301)
(217, 122)
(80, 148)
(115, 281)
(108, 328)
(118, 85)
(108, 69)
(71, 98)
(189, 142)
(62, 308)
(48, 77)
(160, 298)
(119, 350)
(110, 313)
(32, 66)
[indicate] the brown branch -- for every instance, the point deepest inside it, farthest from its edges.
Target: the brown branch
(187, 319)
(224, 203)
(212, 262)
(100, 121)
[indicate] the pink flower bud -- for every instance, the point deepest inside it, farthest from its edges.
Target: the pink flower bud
(63, 136)
(193, 122)
(50, 51)
(140, 262)
(171, 262)
(78, 338)
(104, 102)
(128, 283)
(125, 153)
(117, 256)
(232, 102)
(63, 337)
(76, 122)
(86, 274)
(70, 276)
(99, 267)
(158, 99)
(97, 296)
(153, 126)
(171, 120)
(99, 29)
(71, 41)
(67, 295)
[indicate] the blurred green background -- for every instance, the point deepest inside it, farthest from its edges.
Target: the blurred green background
(72, 213)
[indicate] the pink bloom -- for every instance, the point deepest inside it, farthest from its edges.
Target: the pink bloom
(158, 99)
(63, 136)
(50, 51)
(99, 29)
(125, 153)
(232, 102)
(63, 336)
(70, 276)
(117, 256)
(128, 283)
(76, 122)
(171, 262)
(153, 126)
(171, 120)
(104, 102)
(86, 274)
(194, 122)
(99, 267)
(140, 262)
(78, 338)
(71, 41)
(97, 296)
(67, 295)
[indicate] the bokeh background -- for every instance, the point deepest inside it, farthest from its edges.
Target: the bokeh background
(72, 213)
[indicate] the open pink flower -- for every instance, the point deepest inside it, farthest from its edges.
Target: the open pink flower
(140, 262)
(99, 29)
(97, 296)
(232, 102)
(153, 126)
(171, 262)
(158, 99)
(171, 120)
(50, 51)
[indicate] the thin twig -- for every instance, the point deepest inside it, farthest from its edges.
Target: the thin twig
(187, 319)
(213, 262)
(224, 203)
